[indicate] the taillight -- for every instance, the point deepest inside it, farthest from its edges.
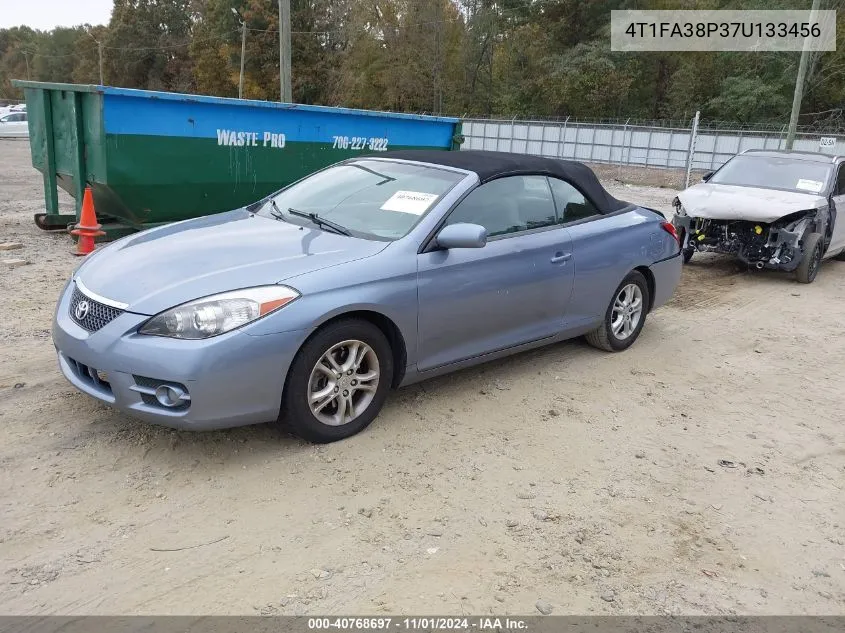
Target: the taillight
(671, 230)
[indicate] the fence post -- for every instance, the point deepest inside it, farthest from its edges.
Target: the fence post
(542, 138)
(513, 131)
(622, 148)
(575, 149)
(691, 150)
(669, 150)
(563, 139)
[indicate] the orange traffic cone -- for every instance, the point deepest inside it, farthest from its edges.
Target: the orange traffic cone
(87, 228)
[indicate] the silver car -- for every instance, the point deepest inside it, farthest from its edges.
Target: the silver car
(771, 209)
(14, 124)
(308, 306)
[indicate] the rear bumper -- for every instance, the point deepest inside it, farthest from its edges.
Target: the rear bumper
(230, 380)
(667, 276)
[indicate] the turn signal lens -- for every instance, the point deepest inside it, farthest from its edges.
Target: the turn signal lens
(218, 314)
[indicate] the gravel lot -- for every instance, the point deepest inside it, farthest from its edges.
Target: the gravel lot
(588, 480)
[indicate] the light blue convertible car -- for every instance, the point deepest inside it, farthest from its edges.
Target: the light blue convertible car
(308, 306)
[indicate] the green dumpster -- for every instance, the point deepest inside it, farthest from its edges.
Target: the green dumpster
(157, 157)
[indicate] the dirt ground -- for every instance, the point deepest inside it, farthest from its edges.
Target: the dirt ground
(588, 480)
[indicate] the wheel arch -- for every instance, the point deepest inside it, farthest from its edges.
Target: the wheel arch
(384, 323)
(649, 278)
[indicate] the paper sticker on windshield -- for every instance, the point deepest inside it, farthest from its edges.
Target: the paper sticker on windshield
(810, 185)
(414, 202)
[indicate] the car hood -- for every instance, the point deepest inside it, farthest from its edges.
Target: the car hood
(729, 202)
(165, 266)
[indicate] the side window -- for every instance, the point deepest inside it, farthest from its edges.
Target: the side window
(571, 205)
(507, 205)
(840, 181)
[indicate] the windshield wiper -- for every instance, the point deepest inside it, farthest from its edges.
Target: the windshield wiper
(321, 222)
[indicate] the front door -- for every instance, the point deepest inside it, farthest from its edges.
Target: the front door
(514, 290)
(837, 238)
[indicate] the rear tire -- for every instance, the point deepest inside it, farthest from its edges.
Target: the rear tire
(615, 335)
(809, 266)
(338, 381)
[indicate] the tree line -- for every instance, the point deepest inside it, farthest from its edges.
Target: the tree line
(508, 58)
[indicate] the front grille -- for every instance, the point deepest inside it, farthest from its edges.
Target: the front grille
(90, 375)
(97, 315)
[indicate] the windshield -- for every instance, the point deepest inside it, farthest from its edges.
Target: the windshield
(768, 172)
(372, 199)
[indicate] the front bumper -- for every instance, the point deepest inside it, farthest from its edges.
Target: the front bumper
(782, 251)
(230, 380)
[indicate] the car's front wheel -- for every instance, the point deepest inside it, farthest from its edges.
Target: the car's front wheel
(338, 382)
(686, 250)
(625, 315)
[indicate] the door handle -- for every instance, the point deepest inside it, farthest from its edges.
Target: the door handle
(561, 257)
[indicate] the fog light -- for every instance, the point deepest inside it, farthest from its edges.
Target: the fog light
(170, 395)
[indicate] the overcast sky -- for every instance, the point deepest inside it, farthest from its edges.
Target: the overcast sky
(48, 14)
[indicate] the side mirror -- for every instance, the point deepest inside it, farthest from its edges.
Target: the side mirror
(462, 236)
(707, 176)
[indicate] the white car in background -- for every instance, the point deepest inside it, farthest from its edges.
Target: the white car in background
(14, 124)
(18, 107)
(771, 209)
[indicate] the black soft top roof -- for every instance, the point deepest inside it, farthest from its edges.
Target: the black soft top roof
(492, 165)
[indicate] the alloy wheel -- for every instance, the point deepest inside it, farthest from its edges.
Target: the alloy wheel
(627, 311)
(343, 383)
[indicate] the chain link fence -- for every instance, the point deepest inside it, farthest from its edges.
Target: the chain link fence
(689, 148)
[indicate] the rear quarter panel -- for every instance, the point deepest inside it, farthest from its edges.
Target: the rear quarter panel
(605, 250)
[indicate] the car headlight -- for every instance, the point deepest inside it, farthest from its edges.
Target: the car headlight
(220, 313)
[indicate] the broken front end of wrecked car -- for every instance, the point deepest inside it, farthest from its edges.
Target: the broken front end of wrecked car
(763, 233)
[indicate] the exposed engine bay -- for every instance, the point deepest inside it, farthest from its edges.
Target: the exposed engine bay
(775, 245)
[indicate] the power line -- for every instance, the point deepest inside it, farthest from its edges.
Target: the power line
(172, 46)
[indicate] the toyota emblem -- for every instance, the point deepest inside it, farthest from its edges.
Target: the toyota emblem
(81, 310)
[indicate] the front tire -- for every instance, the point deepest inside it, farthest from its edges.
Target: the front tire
(686, 251)
(338, 382)
(625, 315)
(809, 266)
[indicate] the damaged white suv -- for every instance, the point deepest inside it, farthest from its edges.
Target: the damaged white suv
(771, 209)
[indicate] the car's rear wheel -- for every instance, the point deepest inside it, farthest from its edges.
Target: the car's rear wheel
(809, 266)
(338, 382)
(625, 315)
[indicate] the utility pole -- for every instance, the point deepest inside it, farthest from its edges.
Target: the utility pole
(243, 52)
(798, 95)
(284, 51)
(100, 54)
